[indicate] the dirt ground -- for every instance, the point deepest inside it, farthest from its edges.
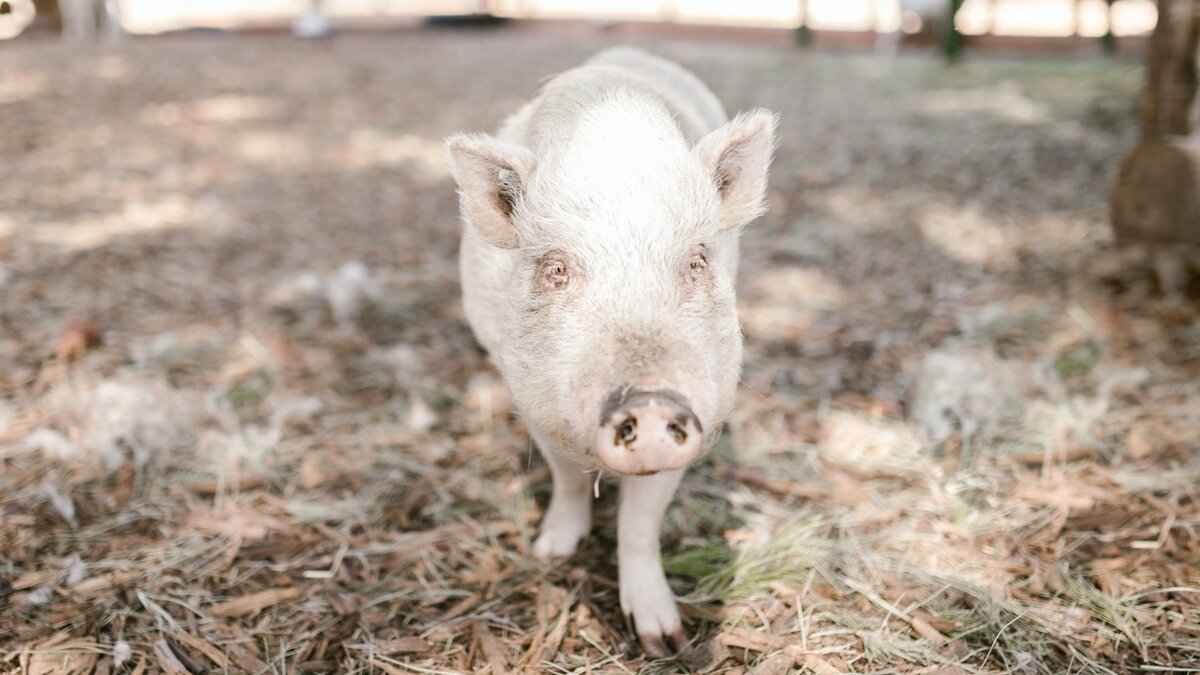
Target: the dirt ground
(244, 426)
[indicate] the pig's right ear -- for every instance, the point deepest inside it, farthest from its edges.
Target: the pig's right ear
(491, 176)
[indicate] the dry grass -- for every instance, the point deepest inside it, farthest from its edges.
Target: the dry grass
(967, 440)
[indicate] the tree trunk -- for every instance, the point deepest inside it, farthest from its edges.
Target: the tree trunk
(1157, 194)
(1171, 70)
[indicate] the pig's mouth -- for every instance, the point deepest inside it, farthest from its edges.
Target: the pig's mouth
(645, 431)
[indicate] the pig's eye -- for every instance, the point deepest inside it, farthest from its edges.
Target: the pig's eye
(699, 261)
(553, 272)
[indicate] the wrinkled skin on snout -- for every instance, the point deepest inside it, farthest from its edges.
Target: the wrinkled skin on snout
(598, 261)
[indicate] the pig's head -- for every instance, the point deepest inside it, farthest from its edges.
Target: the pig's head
(621, 341)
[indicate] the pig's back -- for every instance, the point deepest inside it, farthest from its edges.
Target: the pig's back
(697, 109)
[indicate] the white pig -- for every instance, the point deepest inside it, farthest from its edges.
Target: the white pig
(598, 262)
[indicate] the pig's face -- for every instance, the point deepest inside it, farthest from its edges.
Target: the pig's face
(621, 341)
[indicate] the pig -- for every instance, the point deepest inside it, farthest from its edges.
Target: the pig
(598, 261)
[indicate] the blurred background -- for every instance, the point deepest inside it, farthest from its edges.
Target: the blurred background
(1011, 18)
(245, 427)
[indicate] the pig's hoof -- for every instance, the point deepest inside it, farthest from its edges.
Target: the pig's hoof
(558, 542)
(655, 618)
(659, 644)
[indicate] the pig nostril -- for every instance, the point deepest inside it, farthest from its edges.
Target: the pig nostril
(627, 432)
(677, 432)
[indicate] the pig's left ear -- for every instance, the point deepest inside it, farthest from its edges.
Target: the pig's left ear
(737, 156)
(491, 176)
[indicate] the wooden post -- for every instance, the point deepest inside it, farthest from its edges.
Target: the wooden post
(803, 33)
(951, 38)
(1108, 41)
(1157, 194)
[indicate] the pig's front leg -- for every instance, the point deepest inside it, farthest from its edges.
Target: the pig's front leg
(569, 517)
(645, 595)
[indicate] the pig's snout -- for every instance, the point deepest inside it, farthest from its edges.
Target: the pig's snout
(646, 431)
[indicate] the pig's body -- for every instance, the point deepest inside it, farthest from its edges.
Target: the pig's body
(598, 265)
